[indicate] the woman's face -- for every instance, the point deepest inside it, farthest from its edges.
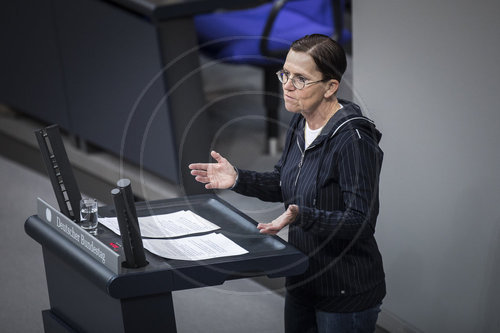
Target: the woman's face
(311, 96)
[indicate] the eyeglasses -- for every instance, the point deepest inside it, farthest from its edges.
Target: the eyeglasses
(298, 82)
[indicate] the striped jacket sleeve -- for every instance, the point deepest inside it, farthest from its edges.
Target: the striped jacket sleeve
(263, 185)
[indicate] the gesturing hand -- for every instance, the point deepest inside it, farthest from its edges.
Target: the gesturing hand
(220, 175)
(280, 222)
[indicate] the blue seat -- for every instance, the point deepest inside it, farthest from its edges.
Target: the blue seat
(262, 35)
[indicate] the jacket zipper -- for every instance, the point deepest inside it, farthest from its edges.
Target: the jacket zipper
(303, 153)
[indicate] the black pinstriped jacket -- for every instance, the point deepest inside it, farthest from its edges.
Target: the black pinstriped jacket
(335, 184)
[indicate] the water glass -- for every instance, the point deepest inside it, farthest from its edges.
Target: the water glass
(88, 215)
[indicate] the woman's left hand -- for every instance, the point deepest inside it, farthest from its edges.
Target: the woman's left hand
(280, 222)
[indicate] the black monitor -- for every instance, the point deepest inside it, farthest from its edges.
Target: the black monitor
(60, 171)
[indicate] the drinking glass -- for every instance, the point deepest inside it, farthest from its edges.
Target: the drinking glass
(88, 215)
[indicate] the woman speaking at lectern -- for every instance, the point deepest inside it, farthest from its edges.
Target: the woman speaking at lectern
(328, 178)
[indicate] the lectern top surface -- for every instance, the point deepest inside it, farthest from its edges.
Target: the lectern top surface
(267, 255)
(234, 225)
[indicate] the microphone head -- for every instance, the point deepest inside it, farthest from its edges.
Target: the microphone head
(124, 182)
(115, 191)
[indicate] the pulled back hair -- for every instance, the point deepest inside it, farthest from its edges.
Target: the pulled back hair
(328, 55)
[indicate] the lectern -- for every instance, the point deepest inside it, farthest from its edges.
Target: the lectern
(90, 291)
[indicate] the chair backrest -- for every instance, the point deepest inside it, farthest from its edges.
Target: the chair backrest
(317, 10)
(235, 36)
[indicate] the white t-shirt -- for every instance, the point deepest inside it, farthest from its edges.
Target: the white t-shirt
(310, 134)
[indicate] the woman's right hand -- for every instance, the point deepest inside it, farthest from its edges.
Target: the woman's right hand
(220, 175)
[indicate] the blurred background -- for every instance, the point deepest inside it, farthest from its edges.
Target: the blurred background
(136, 97)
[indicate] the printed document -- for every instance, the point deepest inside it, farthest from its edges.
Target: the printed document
(194, 248)
(180, 223)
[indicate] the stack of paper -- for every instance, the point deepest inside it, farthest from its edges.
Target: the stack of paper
(178, 224)
(194, 248)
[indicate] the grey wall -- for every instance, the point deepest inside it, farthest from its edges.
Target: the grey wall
(428, 72)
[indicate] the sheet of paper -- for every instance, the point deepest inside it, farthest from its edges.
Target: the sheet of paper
(180, 223)
(194, 248)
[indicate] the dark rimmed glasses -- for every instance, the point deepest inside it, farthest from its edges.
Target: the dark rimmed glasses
(298, 82)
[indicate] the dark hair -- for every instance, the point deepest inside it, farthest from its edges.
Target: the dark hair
(328, 55)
